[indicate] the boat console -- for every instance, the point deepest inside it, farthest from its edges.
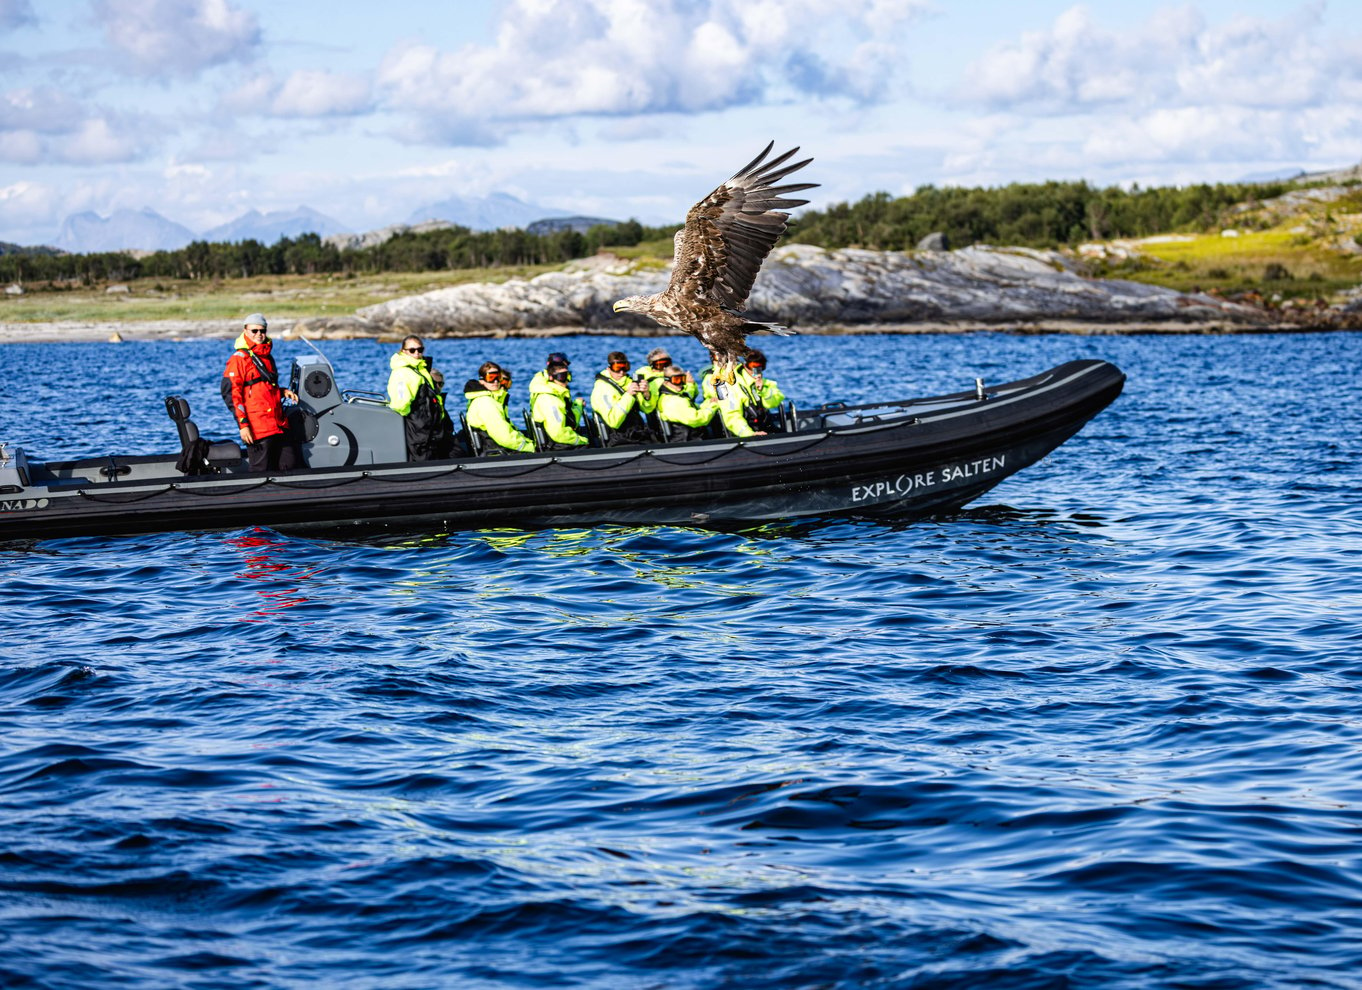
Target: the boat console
(339, 429)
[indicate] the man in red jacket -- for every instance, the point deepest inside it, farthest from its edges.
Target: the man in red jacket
(257, 400)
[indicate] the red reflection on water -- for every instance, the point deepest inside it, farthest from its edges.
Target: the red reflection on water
(265, 559)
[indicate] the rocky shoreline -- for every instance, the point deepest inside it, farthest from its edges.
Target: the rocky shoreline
(810, 289)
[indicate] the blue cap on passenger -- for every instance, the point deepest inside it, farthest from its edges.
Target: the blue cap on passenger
(257, 320)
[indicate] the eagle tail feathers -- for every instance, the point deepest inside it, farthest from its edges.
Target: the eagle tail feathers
(778, 329)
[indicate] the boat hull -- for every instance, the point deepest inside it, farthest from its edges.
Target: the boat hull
(918, 457)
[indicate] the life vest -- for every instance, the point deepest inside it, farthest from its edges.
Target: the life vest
(428, 429)
(634, 428)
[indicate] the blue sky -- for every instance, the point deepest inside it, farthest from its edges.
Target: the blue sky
(203, 109)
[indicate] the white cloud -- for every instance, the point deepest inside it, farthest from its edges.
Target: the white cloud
(98, 142)
(28, 202)
(1224, 134)
(177, 38)
(559, 58)
(315, 93)
(39, 109)
(45, 126)
(1173, 59)
(305, 93)
(23, 147)
(1170, 96)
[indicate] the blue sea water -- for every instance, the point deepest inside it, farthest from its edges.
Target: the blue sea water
(1101, 729)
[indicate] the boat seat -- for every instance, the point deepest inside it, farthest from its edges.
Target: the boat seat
(595, 429)
(655, 424)
(474, 442)
(197, 455)
(535, 432)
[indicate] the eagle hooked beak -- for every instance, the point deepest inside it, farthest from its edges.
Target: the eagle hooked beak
(619, 305)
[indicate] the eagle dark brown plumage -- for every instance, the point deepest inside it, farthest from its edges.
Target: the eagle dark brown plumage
(719, 251)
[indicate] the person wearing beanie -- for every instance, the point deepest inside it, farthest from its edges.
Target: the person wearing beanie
(250, 384)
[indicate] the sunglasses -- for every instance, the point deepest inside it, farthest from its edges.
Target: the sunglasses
(415, 350)
(677, 379)
(616, 366)
(259, 330)
(756, 367)
(662, 363)
(561, 376)
(492, 376)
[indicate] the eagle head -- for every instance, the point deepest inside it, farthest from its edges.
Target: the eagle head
(630, 304)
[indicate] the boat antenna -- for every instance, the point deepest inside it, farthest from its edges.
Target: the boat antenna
(315, 348)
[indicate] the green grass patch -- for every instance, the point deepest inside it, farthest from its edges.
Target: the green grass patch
(658, 250)
(1278, 261)
(277, 296)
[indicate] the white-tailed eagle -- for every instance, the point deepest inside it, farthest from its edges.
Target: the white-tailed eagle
(727, 236)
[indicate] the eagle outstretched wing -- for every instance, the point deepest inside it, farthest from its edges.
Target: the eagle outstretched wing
(729, 233)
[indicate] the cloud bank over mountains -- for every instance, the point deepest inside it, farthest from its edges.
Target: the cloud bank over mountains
(147, 230)
(206, 109)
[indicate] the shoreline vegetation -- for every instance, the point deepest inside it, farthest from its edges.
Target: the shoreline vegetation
(1283, 256)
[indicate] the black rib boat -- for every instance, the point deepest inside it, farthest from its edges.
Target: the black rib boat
(903, 458)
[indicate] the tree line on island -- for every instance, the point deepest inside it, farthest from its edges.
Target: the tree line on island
(1040, 215)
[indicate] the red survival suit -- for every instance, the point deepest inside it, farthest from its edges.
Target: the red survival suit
(257, 401)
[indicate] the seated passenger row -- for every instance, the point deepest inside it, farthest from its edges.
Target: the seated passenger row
(658, 404)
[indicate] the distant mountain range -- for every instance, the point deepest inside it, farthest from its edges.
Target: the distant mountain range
(484, 212)
(269, 227)
(147, 230)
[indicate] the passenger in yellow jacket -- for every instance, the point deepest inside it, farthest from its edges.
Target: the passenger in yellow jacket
(684, 421)
(552, 406)
(616, 399)
(540, 377)
(746, 406)
(486, 413)
(414, 394)
(737, 402)
(653, 375)
(766, 388)
(754, 367)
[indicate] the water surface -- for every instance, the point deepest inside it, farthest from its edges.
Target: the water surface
(1099, 730)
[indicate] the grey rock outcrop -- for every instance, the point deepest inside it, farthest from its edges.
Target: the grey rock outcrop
(805, 286)
(373, 238)
(554, 225)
